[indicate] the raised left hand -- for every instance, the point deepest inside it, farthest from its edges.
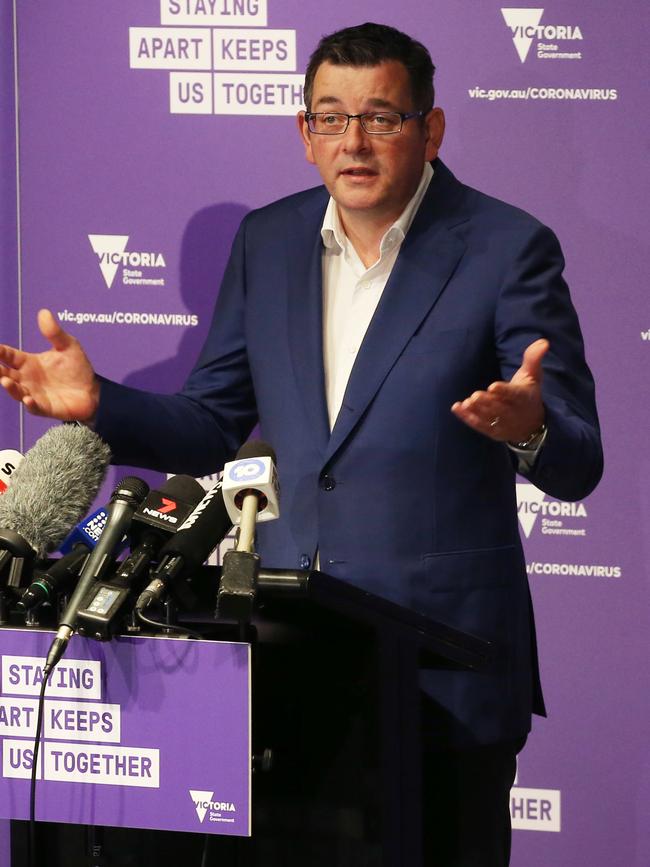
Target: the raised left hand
(509, 411)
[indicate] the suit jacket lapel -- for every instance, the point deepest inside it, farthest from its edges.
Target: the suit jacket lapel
(427, 259)
(305, 311)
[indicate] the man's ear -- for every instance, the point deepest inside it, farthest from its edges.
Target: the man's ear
(435, 130)
(303, 128)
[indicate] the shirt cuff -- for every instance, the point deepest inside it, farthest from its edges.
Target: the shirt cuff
(526, 457)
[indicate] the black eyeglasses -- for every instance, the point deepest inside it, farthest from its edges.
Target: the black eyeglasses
(373, 122)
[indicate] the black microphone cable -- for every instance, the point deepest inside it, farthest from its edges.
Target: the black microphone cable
(163, 626)
(32, 851)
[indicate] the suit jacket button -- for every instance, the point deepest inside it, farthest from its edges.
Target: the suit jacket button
(305, 561)
(327, 483)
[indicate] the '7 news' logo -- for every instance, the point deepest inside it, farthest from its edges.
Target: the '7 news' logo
(162, 511)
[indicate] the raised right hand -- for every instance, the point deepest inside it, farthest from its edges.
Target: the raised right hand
(59, 383)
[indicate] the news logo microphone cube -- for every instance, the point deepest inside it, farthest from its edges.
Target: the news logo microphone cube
(251, 474)
(9, 462)
(87, 531)
(162, 512)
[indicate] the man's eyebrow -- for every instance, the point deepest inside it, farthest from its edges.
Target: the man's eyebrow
(377, 102)
(374, 102)
(328, 100)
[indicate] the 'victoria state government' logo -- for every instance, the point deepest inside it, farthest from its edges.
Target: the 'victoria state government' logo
(526, 26)
(532, 503)
(203, 804)
(111, 252)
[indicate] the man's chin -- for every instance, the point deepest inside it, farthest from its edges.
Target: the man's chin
(356, 200)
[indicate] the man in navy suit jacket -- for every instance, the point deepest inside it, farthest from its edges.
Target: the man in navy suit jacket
(469, 367)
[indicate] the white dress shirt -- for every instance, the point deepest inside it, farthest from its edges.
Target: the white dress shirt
(351, 292)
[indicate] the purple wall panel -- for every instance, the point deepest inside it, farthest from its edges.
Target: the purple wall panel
(9, 417)
(555, 133)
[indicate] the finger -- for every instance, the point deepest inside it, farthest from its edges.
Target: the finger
(52, 331)
(10, 357)
(501, 390)
(31, 406)
(484, 404)
(13, 389)
(508, 394)
(531, 364)
(488, 423)
(10, 374)
(465, 414)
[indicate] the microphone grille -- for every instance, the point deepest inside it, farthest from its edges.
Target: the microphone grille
(184, 487)
(256, 449)
(131, 488)
(55, 485)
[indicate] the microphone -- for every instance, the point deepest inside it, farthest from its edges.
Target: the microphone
(164, 511)
(10, 460)
(86, 532)
(46, 586)
(153, 523)
(126, 498)
(158, 518)
(251, 494)
(250, 489)
(185, 552)
(50, 491)
(75, 549)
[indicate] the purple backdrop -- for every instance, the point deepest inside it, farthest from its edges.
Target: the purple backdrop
(126, 134)
(10, 415)
(9, 317)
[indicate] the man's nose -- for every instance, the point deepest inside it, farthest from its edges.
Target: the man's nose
(355, 138)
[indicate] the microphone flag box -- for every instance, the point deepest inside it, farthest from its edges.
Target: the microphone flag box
(163, 512)
(256, 474)
(9, 462)
(87, 532)
(138, 733)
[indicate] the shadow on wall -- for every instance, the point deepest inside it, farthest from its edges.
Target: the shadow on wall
(205, 249)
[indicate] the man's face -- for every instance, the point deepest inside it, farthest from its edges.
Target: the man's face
(371, 174)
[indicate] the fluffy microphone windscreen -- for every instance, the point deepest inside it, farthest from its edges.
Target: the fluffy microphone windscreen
(54, 486)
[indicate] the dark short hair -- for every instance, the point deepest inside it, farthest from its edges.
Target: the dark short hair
(369, 45)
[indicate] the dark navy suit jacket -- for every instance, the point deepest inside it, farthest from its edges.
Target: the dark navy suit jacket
(401, 498)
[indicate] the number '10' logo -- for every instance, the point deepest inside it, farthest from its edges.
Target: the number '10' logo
(246, 471)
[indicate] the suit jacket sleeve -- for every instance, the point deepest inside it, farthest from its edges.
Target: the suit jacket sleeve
(201, 427)
(534, 302)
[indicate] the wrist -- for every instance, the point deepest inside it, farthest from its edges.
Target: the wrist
(531, 442)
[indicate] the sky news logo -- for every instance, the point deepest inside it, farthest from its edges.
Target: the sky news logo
(112, 253)
(526, 27)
